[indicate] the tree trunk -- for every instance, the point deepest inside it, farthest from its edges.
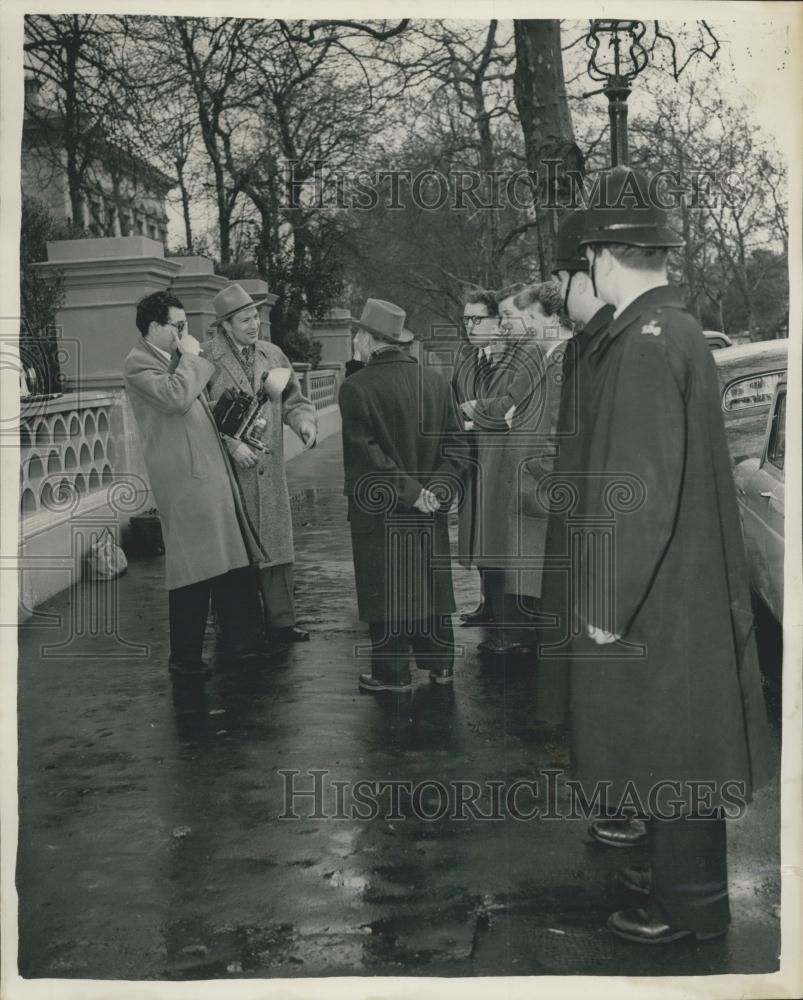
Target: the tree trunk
(185, 201)
(223, 215)
(295, 298)
(539, 89)
(690, 266)
(490, 219)
(72, 124)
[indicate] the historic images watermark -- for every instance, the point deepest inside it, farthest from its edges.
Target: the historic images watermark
(551, 187)
(316, 794)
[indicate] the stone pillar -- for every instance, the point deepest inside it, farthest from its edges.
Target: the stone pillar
(334, 333)
(196, 284)
(256, 287)
(103, 281)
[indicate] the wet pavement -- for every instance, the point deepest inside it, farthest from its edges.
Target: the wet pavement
(151, 844)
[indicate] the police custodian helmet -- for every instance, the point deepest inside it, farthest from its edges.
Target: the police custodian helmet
(624, 210)
(569, 255)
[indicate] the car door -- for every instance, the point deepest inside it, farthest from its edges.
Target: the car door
(774, 536)
(761, 497)
(750, 483)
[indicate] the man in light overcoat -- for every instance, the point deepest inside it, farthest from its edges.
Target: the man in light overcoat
(208, 544)
(240, 359)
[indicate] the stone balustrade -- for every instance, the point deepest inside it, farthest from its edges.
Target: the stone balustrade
(81, 471)
(323, 388)
(65, 445)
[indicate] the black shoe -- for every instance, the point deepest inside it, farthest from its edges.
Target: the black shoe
(368, 682)
(445, 676)
(498, 648)
(290, 633)
(261, 652)
(188, 669)
(637, 878)
(639, 926)
(481, 615)
(619, 832)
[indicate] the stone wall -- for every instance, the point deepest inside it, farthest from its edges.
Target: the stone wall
(104, 279)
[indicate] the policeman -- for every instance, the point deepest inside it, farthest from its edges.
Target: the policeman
(591, 316)
(665, 693)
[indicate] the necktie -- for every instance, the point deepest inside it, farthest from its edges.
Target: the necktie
(247, 356)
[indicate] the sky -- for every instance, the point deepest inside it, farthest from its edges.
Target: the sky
(749, 67)
(754, 59)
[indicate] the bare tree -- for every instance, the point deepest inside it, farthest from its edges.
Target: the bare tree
(546, 122)
(733, 211)
(73, 56)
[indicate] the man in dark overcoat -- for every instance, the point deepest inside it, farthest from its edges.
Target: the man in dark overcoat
(591, 316)
(399, 421)
(472, 367)
(666, 701)
(511, 418)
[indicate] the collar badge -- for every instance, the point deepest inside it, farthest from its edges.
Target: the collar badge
(651, 328)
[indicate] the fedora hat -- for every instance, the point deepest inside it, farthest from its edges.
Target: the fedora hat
(231, 300)
(384, 320)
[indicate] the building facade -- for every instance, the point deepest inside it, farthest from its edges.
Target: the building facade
(121, 193)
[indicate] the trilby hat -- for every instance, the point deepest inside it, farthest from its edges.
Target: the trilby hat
(385, 320)
(232, 299)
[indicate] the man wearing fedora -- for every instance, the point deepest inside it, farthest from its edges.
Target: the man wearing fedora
(241, 359)
(398, 422)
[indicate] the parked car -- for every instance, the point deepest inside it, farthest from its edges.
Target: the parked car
(717, 340)
(748, 375)
(760, 494)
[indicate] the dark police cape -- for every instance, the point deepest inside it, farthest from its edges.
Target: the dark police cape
(400, 434)
(649, 511)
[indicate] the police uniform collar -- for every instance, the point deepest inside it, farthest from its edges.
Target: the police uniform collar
(601, 318)
(663, 295)
(389, 353)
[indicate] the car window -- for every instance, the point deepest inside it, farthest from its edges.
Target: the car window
(754, 390)
(776, 449)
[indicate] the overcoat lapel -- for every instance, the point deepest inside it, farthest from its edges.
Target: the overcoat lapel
(260, 365)
(235, 370)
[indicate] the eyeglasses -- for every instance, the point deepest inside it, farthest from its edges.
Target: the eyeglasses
(179, 327)
(469, 322)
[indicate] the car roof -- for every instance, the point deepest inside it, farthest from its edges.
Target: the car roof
(747, 359)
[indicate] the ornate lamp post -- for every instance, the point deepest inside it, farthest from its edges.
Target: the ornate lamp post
(616, 69)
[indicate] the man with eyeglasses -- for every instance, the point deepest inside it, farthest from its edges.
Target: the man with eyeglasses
(472, 367)
(208, 544)
(511, 418)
